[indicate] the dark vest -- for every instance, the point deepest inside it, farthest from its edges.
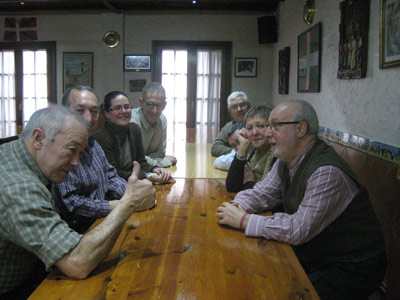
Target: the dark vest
(353, 236)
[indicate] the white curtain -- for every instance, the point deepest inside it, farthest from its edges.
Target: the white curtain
(35, 82)
(209, 64)
(7, 94)
(174, 80)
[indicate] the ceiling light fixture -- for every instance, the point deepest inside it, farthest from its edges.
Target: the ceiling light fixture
(194, 1)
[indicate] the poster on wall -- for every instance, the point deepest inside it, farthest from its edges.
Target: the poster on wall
(309, 60)
(353, 39)
(389, 34)
(284, 64)
(77, 69)
(245, 67)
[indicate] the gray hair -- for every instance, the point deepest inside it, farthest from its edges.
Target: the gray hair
(306, 113)
(52, 121)
(261, 110)
(154, 87)
(65, 99)
(236, 94)
(235, 127)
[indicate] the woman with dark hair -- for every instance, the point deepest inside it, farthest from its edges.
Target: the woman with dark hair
(122, 140)
(253, 159)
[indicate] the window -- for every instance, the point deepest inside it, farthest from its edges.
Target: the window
(27, 82)
(207, 77)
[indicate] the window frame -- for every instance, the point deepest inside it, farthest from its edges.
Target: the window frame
(191, 47)
(18, 47)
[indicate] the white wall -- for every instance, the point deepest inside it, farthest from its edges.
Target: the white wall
(77, 32)
(241, 30)
(368, 107)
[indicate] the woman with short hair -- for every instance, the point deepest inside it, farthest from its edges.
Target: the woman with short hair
(254, 158)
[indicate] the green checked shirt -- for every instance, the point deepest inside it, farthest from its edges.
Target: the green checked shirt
(30, 229)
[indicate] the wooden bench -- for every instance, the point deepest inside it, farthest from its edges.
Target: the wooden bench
(8, 139)
(380, 178)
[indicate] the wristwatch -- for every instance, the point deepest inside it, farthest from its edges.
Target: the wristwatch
(149, 176)
(241, 157)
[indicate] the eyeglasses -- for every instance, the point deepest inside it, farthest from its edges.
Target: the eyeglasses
(152, 105)
(242, 105)
(121, 107)
(276, 125)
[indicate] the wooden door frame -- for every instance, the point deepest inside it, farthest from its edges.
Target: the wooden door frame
(18, 47)
(226, 72)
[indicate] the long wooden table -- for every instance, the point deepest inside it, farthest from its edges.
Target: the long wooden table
(194, 161)
(178, 251)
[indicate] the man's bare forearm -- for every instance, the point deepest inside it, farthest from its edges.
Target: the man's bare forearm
(95, 245)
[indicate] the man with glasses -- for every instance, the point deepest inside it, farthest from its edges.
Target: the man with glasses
(328, 218)
(153, 125)
(91, 190)
(238, 105)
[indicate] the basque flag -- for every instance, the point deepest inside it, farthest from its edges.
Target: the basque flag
(22, 30)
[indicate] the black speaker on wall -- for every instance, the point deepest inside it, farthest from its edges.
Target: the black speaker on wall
(267, 31)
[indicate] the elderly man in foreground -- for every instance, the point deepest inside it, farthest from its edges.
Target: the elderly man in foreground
(238, 105)
(328, 218)
(32, 235)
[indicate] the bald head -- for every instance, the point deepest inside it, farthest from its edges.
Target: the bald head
(294, 125)
(300, 111)
(84, 101)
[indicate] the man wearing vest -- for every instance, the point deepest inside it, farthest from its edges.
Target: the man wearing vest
(327, 216)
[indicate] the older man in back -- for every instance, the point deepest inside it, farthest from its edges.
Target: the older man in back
(238, 105)
(328, 218)
(91, 190)
(33, 237)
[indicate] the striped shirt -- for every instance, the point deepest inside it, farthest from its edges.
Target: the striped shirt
(84, 191)
(329, 191)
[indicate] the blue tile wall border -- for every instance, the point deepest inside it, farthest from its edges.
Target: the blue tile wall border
(382, 151)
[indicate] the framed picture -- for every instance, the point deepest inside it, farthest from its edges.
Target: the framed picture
(309, 60)
(245, 67)
(137, 63)
(284, 64)
(389, 49)
(136, 85)
(353, 39)
(77, 69)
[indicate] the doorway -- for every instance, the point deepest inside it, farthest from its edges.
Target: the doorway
(196, 76)
(27, 82)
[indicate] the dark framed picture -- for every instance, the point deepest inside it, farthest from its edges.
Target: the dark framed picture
(389, 50)
(284, 65)
(136, 85)
(77, 69)
(353, 39)
(137, 63)
(309, 60)
(245, 67)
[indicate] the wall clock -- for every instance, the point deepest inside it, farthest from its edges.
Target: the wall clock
(308, 12)
(111, 39)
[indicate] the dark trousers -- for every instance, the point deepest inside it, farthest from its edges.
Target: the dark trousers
(348, 280)
(24, 290)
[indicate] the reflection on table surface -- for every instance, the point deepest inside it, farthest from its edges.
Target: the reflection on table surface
(178, 251)
(194, 161)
